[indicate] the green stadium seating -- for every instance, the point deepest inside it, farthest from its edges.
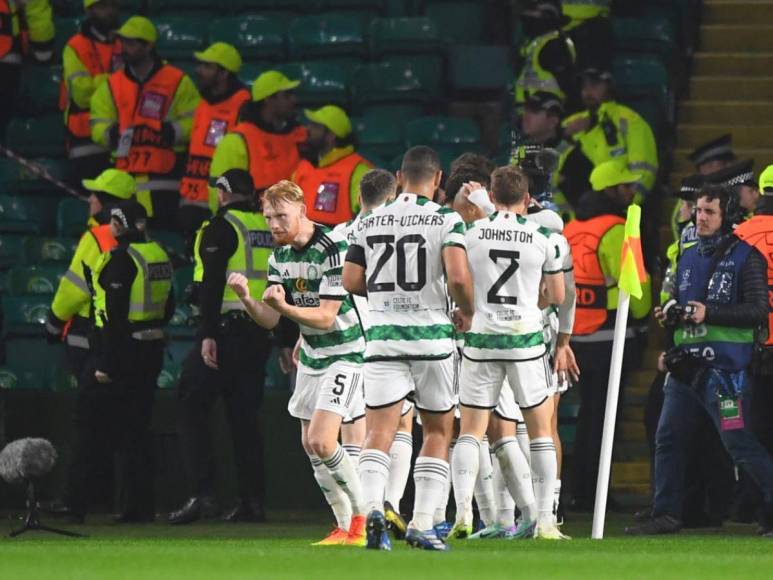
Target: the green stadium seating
(398, 113)
(321, 82)
(459, 23)
(260, 6)
(363, 5)
(642, 76)
(11, 249)
(468, 73)
(183, 277)
(32, 364)
(399, 79)
(22, 215)
(39, 279)
(412, 35)
(187, 7)
(18, 178)
(172, 242)
(25, 315)
(176, 351)
(379, 134)
(37, 136)
(65, 28)
(255, 37)
(252, 70)
(646, 33)
(325, 35)
(376, 159)
(39, 89)
(452, 135)
(275, 378)
(36, 250)
(180, 36)
(650, 108)
(71, 217)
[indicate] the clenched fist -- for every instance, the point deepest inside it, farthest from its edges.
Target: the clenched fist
(274, 296)
(239, 284)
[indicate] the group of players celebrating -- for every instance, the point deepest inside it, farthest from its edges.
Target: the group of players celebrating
(460, 313)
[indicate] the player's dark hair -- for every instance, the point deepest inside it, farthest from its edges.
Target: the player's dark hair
(420, 164)
(377, 186)
(468, 167)
(509, 185)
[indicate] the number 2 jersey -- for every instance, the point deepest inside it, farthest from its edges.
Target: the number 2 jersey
(508, 255)
(400, 245)
(309, 275)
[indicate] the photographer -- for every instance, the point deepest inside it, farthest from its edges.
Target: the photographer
(719, 302)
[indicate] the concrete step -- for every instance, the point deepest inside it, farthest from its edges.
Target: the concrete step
(737, 37)
(762, 158)
(633, 413)
(640, 379)
(630, 472)
(736, 11)
(732, 63)
(631, 451)
(632, 431)
(641, 491)
(725, 113)
(722, 87)
(744, 136)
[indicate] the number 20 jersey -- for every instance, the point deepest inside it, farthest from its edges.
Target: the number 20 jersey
(508, 256)
(400, 244)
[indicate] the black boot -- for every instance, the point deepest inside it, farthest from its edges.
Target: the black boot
(246, 511)
(194, 509)
(656, 525)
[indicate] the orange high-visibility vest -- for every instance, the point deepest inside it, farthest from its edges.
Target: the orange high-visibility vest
(9, 38)
(327, 190)
(272, 156)
(210, 123)
(758, 232)
(98, 58)
(584, 237)
(142, 110)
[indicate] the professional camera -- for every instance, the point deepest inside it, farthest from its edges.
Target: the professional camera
(676, 313)
(539, 163)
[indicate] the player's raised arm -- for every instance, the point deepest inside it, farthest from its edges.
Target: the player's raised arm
(261, 313)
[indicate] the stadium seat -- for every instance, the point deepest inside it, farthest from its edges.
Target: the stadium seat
(376, 159)
(452, 135)
(398, 113)
(260, 6)
(11, 250)
(643, 76)
(466, 73)
(25, 315)
(645, 33)
(379, 134)
(39, 89)
(325, 35)
(172, 242)
(363, 5)
(252, 70)
(36, 250)
(21, 215)
(321, 82)
(18, 178)
(175, 354)
(183, 277)
(71, 217)
(41, 136)
(187, 7)
(400, 79)
(459, 23)
(413, 35)
(650, 108)
(32, 364)
(255, 37)
(39, 279)
(180, 36)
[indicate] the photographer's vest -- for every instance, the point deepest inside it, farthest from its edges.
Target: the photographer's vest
(271, 157)
(99, 58)
(142, 109)
(10, 40)
(758, 232)
(254, 248)
(210, 124)
(149, 290)
(595, 302)
(327, 190)
(533, 77)
(724, 347)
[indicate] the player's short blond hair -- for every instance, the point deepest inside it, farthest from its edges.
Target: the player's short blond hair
(283, 191)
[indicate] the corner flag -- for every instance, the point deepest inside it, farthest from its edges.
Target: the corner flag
(632, 273)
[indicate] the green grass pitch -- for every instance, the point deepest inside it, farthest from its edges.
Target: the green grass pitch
(280, 549)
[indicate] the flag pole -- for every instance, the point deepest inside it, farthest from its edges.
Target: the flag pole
(610, 415)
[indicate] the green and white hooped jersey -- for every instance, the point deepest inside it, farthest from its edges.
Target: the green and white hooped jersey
(400, 245)
(508, 255)
(312, 274)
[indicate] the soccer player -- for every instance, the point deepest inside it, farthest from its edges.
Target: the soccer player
(304, 285)
(409, 255)
(510, 258)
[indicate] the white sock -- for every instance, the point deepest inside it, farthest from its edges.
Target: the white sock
(429, 475)
(374, 471)
(544, 469)
(522, 435)
(400, 454)
(556, 496)
(334, 495)
(465, 465)
(342, 469)
(440, 509)
(484, 485)
(353, 451)
(517, 475)
(505, 501)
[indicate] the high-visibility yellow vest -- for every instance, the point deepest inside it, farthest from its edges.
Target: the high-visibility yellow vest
(581, 10)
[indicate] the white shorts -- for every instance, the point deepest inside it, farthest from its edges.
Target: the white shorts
(507, 408)
(338, 390)
(481, 382)
(431, 383)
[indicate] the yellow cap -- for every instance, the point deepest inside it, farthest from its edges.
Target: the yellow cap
(271, 82)
(113, 182)
(222, 54)
(610, 174)
(138, 28)
(766, 179)
(89, 3)
(333, 118)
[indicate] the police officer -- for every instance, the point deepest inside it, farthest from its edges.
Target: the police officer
(266, 141)
(739, 176)
(222, 97)
(590, 29)
(713, 155)
(719, 303)
(330, 177)
(144, 113)
(89, 57)
(132, 301)
(230, 356)
(68, 318)
(596, 239)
